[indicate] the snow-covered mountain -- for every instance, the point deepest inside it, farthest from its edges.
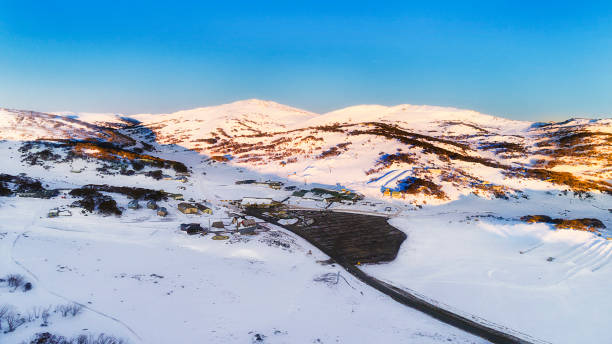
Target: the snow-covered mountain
(373, 148)
(504, 223)
(246, 117)
(19, 125)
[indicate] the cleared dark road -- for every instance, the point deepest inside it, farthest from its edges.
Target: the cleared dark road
(350, 238)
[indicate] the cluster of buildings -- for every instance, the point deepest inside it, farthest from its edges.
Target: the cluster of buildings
(179, 177)
(161, 211)
(194, 208)
(268, 183)
(259, 202)
(387, 192)
(57, 212)
(219, 228)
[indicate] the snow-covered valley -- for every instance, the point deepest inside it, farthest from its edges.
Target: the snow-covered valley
(141, 279)
(459, 184)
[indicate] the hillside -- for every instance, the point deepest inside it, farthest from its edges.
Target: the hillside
(372, 148)
(19, 125)
(248, 117)
(219, 224)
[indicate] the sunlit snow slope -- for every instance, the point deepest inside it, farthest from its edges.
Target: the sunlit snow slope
(373, 149)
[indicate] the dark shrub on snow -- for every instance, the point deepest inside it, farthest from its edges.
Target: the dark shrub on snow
(157, 174)
(4, 191)
(109, 207)
(137, 165)
(48, 338)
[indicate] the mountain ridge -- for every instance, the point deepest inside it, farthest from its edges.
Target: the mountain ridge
(373, 149)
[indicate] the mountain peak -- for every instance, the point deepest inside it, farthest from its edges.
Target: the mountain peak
(258, 102)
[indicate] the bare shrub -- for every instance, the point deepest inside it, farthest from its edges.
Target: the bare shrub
(75, 309)
(48, 338)
(15, 281)
(102, 339)
(37, 311)
(29, 316)
(4, 310)
(34, 314)
(329, 278)
(71, 309)
(13, 320)
(44, 315)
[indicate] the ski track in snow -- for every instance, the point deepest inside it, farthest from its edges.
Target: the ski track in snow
(462, 264)
(396, 177)
(593, 258)
(63, 297)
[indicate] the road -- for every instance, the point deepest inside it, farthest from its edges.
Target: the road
(353, 211)
(477, 326)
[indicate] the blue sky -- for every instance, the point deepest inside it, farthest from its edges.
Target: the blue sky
(533, 60)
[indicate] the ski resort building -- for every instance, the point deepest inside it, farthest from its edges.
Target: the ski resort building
(218, 224)
(257, 202)
(193, 208)
(192, 228)
(247, 223)
(162, 212)
(187, 208)
(134, 205)
(176, 197)
(152, 205)
(204, 209)
(56, 212)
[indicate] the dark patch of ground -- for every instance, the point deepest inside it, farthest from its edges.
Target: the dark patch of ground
(355, 238)
(586, 224)
(23, 185)
(131, 192)
(92, 198)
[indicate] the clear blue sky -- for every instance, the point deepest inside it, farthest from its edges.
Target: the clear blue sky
(535, 60)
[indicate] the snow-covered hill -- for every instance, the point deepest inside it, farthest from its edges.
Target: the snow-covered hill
(248, 117)
(19, 125)
(112, 120)
(373, 148)
(461, 185)
(419, 117)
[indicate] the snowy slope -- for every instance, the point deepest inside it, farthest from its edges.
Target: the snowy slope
(141, 279)
(98, 119)
(22, 125)
(467, 250)
(420, 117)
(144, 281)
(461, 151)
(239, 118)
(476, 258)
